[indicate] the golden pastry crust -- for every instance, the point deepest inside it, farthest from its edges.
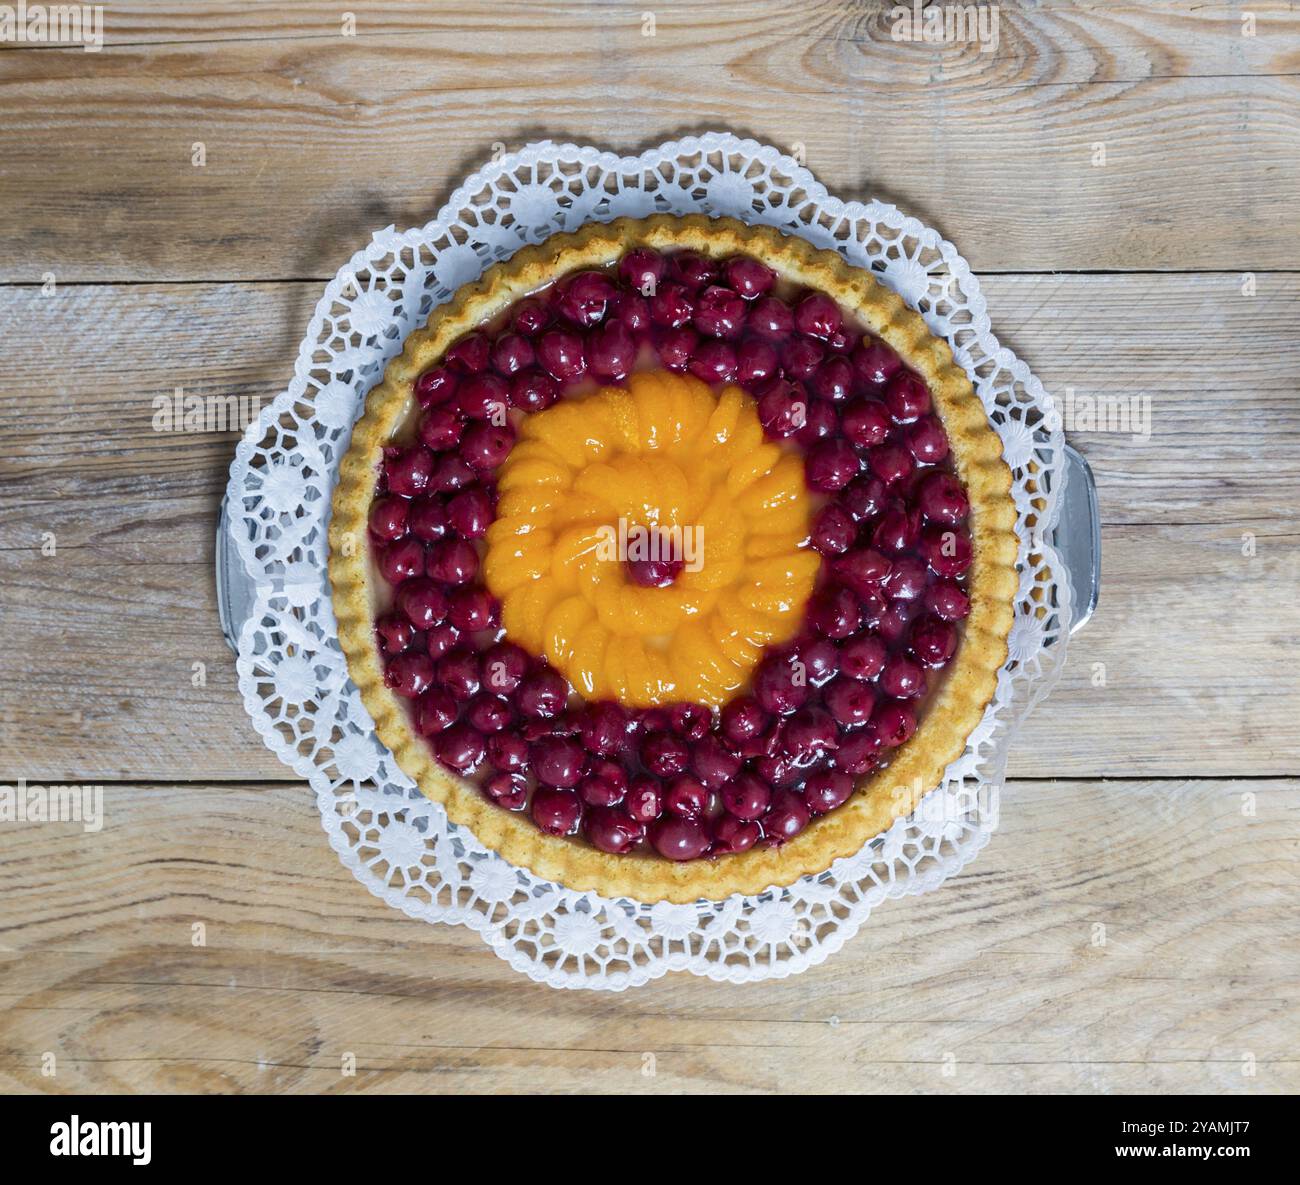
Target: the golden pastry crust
(880, 798)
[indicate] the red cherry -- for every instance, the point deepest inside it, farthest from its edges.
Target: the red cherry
(428, 517)
(895, 619)
(782, 410)
(747, 277)
(875, 362)
(644, 801)
(787, 817)
(612, 830)
(533, 390)
(509, 791)
(399, 560)
(947, 550)
(450, 473)
(691, 721)
(470, 354)
(641, 269)
(558, 760)
(800, 358)
(542, 694)
(441, 640)
(850, 701)
(756, 362)
(560, 353)
(440, 428)
(460, 674)
(890, 463)
(713, 763)
(832, 380)
(927, 441)
(902, 678)
(434, 386)
(779, 687)
(714, 362)
(691, 269)
(556, 812)
(895, 722)
(664, 755)
(486, 445)
(907, 579)
(407, 470)
(504, 667)
(896, 531)
(833, 531)
(388, 518)
(771, 318)
(632, 310)
(747, 796)
(732, 835)
(603, 727)
(686, 797)
(611, 351)
(807, 733)
(474, 609)
(863, 657)
(821, 659)
(830, 465)
(581, 299)
(947, 601)
(488, 714)
(531, 317)
(676, 347)
(679, 839)
(719, 312)
(469, 513)
(907, 397)
(395, 634)
(507, 751)
(866, 423)
(863, 497)
(422, 602)
(835, 612)
(821, 422)
(863, 569)
(483, 397)
(597, 791)
(453, 561)
(461, 747)
(435, 711)
(826, 789)
(942, 499)
(671, 307)
(409, 674)
(817, 316)
(858, 751)
(933, 641)
(512, 353)
(743, 719)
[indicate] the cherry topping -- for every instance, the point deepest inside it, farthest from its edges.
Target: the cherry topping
(756, 362)
(453, 561)
(512, 353)
(474, 609)
(743, 719)
(875, 362)
(863, 657)
(399, 560)
(719, 312)
(611, 351)
(747, 277)
(826, 789)
(692, 269)
(395, 633)
(894, 721)
(671, 307)
(787, 817)
(664, 754)
(470, 354)
(686, 797)
(542, 694)
(800, 357)
(942, 499)
(558, 760)
(947, 601)
(866, 423)
(507, 751)
(436, 385)
(435, 711)
(581, 299)
(440, 428)
(507, 790)
(947, 550)
(927, 441)
(461, 747)
(907, 397)
(504, 667)
(832, 380)
(850, 701)
(933, 641)
(714, 362)
(858, 751)
(818, 316)
(645, 801)
(595, 790)
(831, 464)
(747, 797)
(771, 318)
(388, 517)
(603, 727)
(486, 445)
(560, 353)
(533, 390)
(407, 470)
(642, 269)
(556, 812)
(531, 317)
(459, 672)
(713, 763)
(833, 531)
(779, 686)
(488, 714)
(734, 835)
(612, 830)
(835, 612)
(676, 838)
(677, 347)
(422, 602)
(902, 678)
(782, 410)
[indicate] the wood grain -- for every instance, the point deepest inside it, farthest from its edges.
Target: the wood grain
(1000, 974)
(1194, 637)
(313, 138)
(168, 275)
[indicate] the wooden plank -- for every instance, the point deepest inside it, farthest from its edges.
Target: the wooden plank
(1119, 936)
(313, 137)
(1193, 636)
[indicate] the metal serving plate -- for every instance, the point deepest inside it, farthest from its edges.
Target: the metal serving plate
(1077, 538)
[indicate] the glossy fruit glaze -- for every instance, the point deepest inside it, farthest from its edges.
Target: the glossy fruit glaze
(666, 736)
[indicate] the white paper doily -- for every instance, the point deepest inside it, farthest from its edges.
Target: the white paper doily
(293, 675)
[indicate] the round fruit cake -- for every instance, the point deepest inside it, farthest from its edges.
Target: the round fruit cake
(675, 557)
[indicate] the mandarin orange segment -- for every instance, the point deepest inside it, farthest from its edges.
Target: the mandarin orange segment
(590, 481)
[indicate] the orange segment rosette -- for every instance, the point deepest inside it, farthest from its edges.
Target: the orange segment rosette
(665, 453)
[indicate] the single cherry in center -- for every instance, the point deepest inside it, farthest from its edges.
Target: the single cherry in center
(654, 558)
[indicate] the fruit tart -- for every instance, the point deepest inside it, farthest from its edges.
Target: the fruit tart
(675, 557)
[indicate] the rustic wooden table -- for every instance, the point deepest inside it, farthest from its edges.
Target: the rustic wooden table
(1123, 176)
